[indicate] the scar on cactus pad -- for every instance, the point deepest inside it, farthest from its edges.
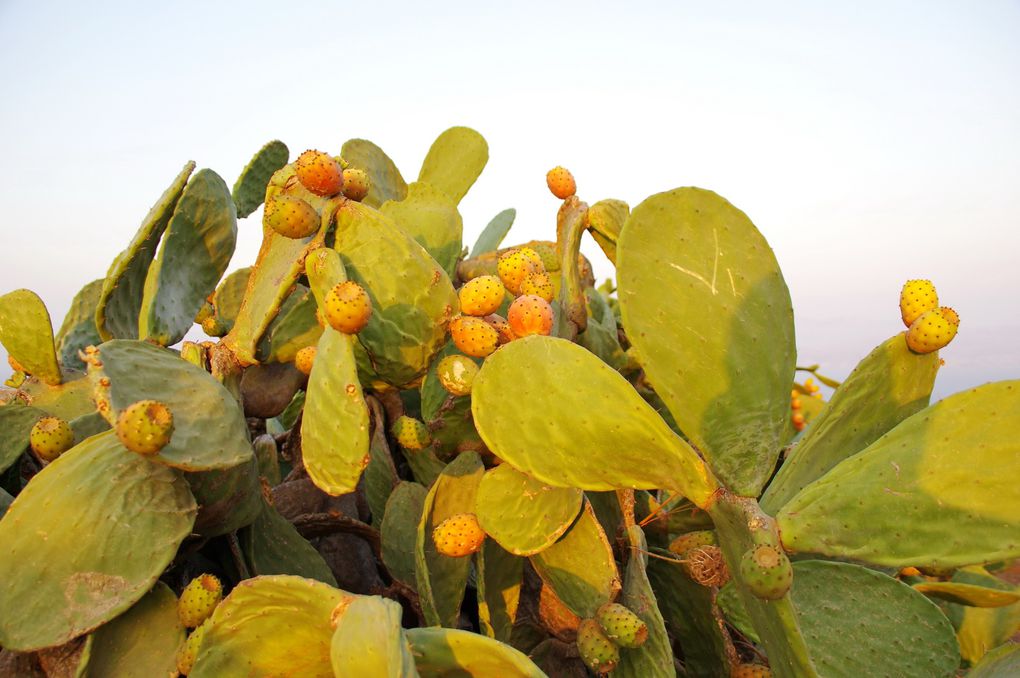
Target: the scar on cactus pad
(145, 426)
(348, 307)
(198, 600)
(459, 535)
(50, 438)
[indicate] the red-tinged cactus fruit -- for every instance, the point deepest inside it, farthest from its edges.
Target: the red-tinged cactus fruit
(530, 314)
(561, 182)
(356, 184)
(690, 540)
(188, 651)
(597, 650)
(766, 571)
(347, 307)
(621, 625)
(459, 535)
(706, 566)
(473, 336)
(549, 255)
(502, 327)
(411, 433)
(457, 374)
(539, 285)
(750, 671)
(514, 265)
(319, 173)
(481, 296)
(290, 216)
(198, 600)
(916, 297)
(50, 438)
(145, 426)
(933, 330)
(304, 359)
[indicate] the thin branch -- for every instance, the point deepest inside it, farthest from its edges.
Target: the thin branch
(311, 525)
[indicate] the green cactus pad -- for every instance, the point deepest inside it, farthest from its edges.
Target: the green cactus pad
(230, 295)
(73, 524)
(725, 370)
(250, 188)
(605, 222)
(978, 630)
(368, 640)
(70, 400)
(655, 656)
(441, 579)
(569, 229)
(886, 387)
(499, 577)
(967, 594)
(228, 498)
(384, 180)
(257, 610)
(16, 422)
(1003, 662)
(492, 235)
(580, 566)
(79, 327)
(27, 334)
(294, 327)
(5, 501)
(440, 653)
(938, 490)
(273, 546)
(209, 429)
(432, 219)
(381, 473)
(691, 617)
(455, 160)
(194, 253)
(600, 336)
(399, 531)
(538, 400)
(121, 298)
(448, 417)
(523, 514)
(858, 622)
(410, 306)
(142, 642)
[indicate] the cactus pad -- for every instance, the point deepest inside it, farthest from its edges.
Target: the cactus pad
(140, 643)
(451, 652)
(455, 160)
(27, 334)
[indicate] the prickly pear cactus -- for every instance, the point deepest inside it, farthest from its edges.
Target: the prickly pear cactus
(482, 465)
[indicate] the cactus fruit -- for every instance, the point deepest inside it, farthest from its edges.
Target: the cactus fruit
(549, 255)
(50, 438)
(188, 651)
(916, 297)
(932, 330)
(530, 314)
(347, 307)
(690, 540)
(473, 336)
(766, 571)
(514, 265)
(623, 626)
(356, 184)
(456, 374)
(205, 311)
(198, 600)
(561, 182)
(213, 327)
(319, 173)
(304, 358)
(539, 285)
(290, 216)
(481, 296)
(597, 650)
(751, 671)
(459, 535)
(145, 426)
(502, 327)
(411, 433)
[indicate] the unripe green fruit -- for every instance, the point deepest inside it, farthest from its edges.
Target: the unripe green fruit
(290, 216)
(457, 374)
(621, 625)
(766, 571)
(50, 438)
(597, 650)
(145, 427)
(690, 540)
(411, 433)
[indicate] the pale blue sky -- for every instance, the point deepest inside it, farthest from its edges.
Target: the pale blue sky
(871, 142)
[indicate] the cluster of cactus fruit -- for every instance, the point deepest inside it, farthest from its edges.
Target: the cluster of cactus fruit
(401, 457)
